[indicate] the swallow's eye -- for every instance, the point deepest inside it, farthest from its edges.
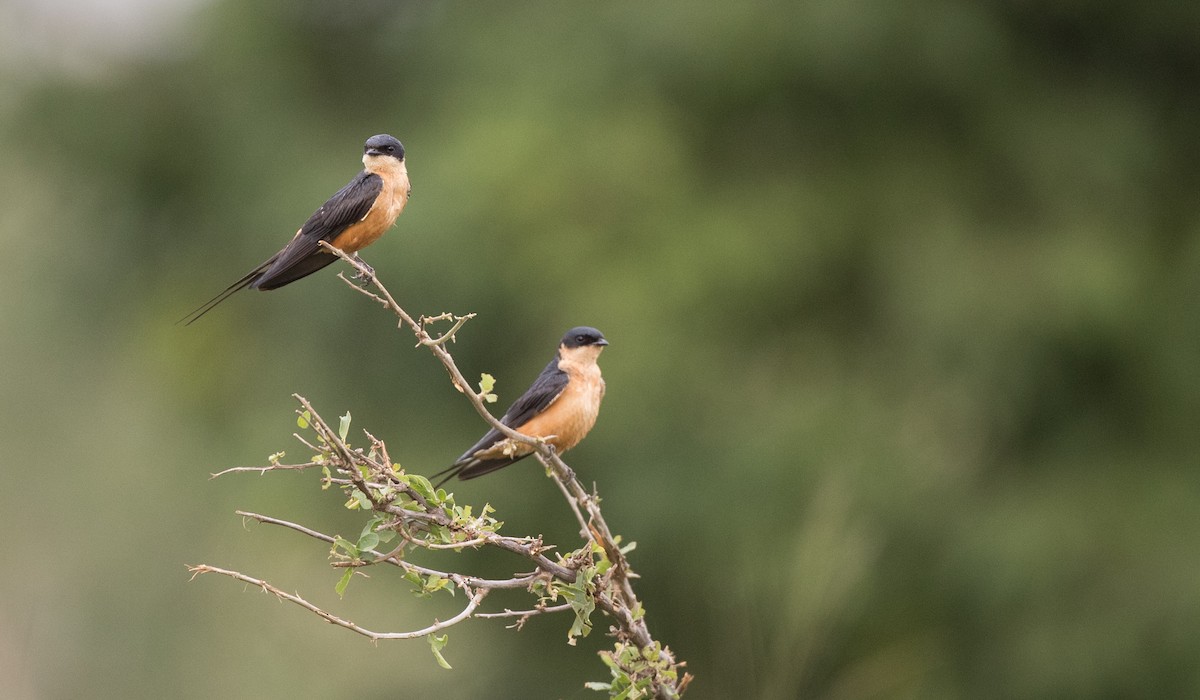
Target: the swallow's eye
(389, 149)
(581, 338)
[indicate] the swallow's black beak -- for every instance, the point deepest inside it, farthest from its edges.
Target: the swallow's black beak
(601, 342)
(374, 152)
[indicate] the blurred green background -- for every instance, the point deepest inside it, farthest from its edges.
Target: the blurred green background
(902, 392)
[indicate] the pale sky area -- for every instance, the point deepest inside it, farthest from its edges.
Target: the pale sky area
(85, 37)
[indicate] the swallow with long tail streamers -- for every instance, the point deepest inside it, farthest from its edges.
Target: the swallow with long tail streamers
(353, 218)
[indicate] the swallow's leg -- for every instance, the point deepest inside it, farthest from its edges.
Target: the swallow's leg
(569, 473)
(365, 277)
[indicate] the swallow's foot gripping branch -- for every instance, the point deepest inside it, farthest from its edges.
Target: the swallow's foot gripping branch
(365, 274)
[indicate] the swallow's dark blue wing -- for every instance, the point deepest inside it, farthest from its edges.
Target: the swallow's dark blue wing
(545, 389)
(303, 256)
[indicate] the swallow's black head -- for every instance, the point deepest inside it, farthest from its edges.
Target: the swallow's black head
(384, 145)
(583, 335)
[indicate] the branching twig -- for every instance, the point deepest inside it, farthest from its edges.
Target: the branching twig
(468, 611)
(394, 559)
(524, 615)
(448, 335)
(439, 351)
(426, 518)
(265, 469)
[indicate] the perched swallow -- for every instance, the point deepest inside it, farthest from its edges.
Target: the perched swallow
(351, 220)
(561, 407)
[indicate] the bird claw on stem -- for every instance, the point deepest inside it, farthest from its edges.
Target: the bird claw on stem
(365, 274)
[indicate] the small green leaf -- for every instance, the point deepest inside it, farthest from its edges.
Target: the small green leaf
(437, 644)
(597, 685)
(368, 541)
(607, 658)
(421, 485)
(360, 499)
(580, 597)
(350, 548)
(441, 532)
(580, 628)
(434, 583)
(344, 426)
(486, 383)
(343, 582)
(303, 420)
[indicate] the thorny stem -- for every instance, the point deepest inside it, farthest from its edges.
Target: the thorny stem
(624, 606)
(394, 558)
(472, 604)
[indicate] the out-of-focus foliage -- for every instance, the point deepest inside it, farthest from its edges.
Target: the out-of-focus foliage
(902, 392)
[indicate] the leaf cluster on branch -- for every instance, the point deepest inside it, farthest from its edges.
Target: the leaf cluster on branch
(405, 512)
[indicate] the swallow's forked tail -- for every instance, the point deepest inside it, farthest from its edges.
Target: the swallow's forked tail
(209, 305)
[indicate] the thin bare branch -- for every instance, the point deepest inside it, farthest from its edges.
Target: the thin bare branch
(267, 468)
(467, 544)
(584, 532)
(306, 443)
(394, 558)
(284, 523)
(439, 351)
(472, 605)
(525, 613)
(448, 335)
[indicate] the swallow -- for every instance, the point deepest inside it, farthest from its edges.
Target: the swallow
(353, 218)
(561, 407)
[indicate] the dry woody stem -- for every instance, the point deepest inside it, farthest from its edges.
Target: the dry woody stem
(408, 511)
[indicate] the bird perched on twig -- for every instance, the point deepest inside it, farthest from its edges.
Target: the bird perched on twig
(353, 218)
(561, 406)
